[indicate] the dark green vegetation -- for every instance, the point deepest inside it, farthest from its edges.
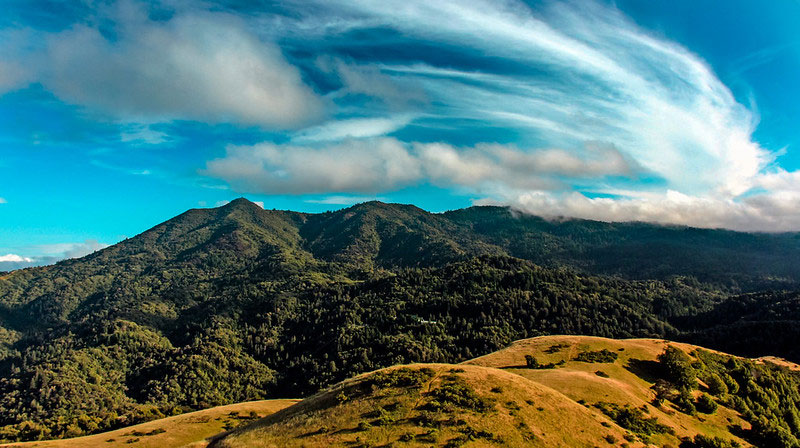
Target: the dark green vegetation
(604, 355)
(765, 394)
(633, 419)
(237, 303)
(701, 441)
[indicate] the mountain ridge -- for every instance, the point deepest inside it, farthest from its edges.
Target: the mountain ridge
(238, 303)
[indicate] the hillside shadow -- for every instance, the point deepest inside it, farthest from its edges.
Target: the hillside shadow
(644, 369)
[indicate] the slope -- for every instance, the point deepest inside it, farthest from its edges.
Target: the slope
(171, 432)
(431, 404)
(626, 381)
(579, 391)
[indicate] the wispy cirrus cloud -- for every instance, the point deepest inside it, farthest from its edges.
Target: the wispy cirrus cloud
(352, 128)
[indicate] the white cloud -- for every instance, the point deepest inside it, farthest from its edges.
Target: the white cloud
(344, 200)
(767, 212)
(513, 168)
(352, 128)
(46, 254)
(12, 76)
(201, 66)
(15, 258)
(81, 249)
(352, 166)
(14, 73)
(369, 80)
(142, 133)
(382, 164)
(3, 201)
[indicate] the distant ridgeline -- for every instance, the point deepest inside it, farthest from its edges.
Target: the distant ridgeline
(238, 303)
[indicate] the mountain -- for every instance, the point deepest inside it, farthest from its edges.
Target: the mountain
(237, 303)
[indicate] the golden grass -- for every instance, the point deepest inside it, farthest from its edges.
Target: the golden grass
(627, 381)
(525, 414)
(180, 430)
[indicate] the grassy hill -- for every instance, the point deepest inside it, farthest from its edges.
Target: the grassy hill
(499, 400)
(626, 381)
(171, 432)
(429, 404)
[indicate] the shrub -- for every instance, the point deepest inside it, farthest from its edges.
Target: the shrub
(678, 368)
(716, 385)
(604, 355)
(402, 377)
(706, 404)
(456, 393)
(701, 441)
(633, 419)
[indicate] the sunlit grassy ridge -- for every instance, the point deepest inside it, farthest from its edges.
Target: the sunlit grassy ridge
(172, 432)
(550, 391)
(451, 405)
(626, 381)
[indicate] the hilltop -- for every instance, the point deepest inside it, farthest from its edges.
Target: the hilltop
(238, 303)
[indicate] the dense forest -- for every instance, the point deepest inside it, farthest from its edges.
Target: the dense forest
(239, 303)
(764, 394)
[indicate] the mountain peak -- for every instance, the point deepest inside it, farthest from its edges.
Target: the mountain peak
(241, 202)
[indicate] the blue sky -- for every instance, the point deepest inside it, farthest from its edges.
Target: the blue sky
(115, 116)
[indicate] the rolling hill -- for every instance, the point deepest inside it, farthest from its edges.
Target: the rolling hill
(171, 432)
(237, 303)
(500, 400)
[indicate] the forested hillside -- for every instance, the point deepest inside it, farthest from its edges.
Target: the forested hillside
(238, 303)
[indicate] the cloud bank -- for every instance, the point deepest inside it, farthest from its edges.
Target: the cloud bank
(373, 165)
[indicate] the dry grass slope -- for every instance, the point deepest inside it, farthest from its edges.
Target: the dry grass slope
(171, 432)
(515, 412)
(628, 379)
